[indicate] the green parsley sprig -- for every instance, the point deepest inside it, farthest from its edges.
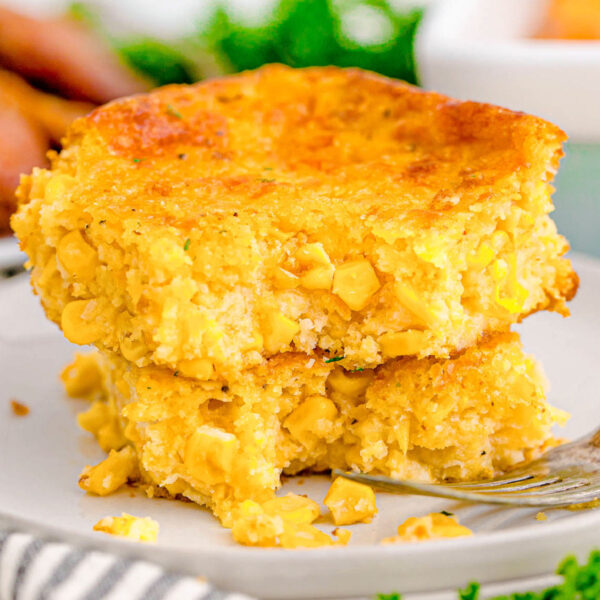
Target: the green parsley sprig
(370, 34)
(580, 582)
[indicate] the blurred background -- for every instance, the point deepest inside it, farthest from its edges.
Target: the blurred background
(59, 59)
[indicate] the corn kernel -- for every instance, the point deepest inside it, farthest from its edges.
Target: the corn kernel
(350, 502)
(343, 536)
(482, 257)
(434, 251)
(355, 282)
(349, 384)
(319, 278)
(135, 528)
(209, 454)
(109, 475)
(198, 368)
(79, 322)
(293, 508)
(256, 343)
(303, 535)
(312, 420)
(97, 415)
(499, 240)
(58, 187)
(252, 527)
(169, 255)
(83, 376)
(284, 280)
(279, 332)
(313, 253)
(133, 348)
(50, 268)
(110, 436)
(77, 257)
(499, 270)
(402, 343)
(429, 527)
(414, 304)
(513, 304)
(505, 274)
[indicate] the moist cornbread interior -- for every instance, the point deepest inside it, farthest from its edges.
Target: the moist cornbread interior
(207, 227)
(460, 419)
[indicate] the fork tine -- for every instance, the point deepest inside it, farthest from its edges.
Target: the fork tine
(565, 498)
(510, 486)
(490, 483)
(563, 485)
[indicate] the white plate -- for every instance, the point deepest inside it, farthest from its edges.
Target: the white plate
(42, 454)
(483, 50)
(10, 255)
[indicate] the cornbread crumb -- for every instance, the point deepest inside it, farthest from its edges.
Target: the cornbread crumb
(343, 535)
(82, 378)
(293, 508)
(541, 516)
(110, 474)
(255, 525)
(350, 502)
(430, 527)
(19, 409)
(140, 529)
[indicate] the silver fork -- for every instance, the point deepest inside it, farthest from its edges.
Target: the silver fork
(565, 475)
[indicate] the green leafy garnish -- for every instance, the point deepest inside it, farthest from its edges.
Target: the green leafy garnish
(171, 110)
(471, 592)
(580, 582)
(176, 374)
(446, 513)
(157, 60)
(137, 160)
(186, 246)
(334, 359)
(370, 34)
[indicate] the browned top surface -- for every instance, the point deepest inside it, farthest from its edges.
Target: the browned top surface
(303, 145)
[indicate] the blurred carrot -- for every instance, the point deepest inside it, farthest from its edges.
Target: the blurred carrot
(53, 114)
(66, 57)
(572, 19)
(23, 146)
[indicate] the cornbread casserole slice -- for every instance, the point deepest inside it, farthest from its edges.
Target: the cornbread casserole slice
(207, 227)
(429, 419)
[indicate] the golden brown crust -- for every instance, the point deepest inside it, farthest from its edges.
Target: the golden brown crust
(274, 135)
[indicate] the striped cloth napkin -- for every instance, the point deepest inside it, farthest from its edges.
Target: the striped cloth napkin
(34, 569)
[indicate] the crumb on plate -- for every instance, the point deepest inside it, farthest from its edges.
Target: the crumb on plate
(19, 409)
(430, 527)
(82, 378)
(109, 475)
(140, 529)
(350, 502)
(275, 526)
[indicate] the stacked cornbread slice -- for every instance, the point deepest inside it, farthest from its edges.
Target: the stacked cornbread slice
(302, 269)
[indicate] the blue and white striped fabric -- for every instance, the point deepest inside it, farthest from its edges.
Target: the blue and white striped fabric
(34, 569)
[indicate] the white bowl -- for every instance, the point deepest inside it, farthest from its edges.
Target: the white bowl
(483, 50)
